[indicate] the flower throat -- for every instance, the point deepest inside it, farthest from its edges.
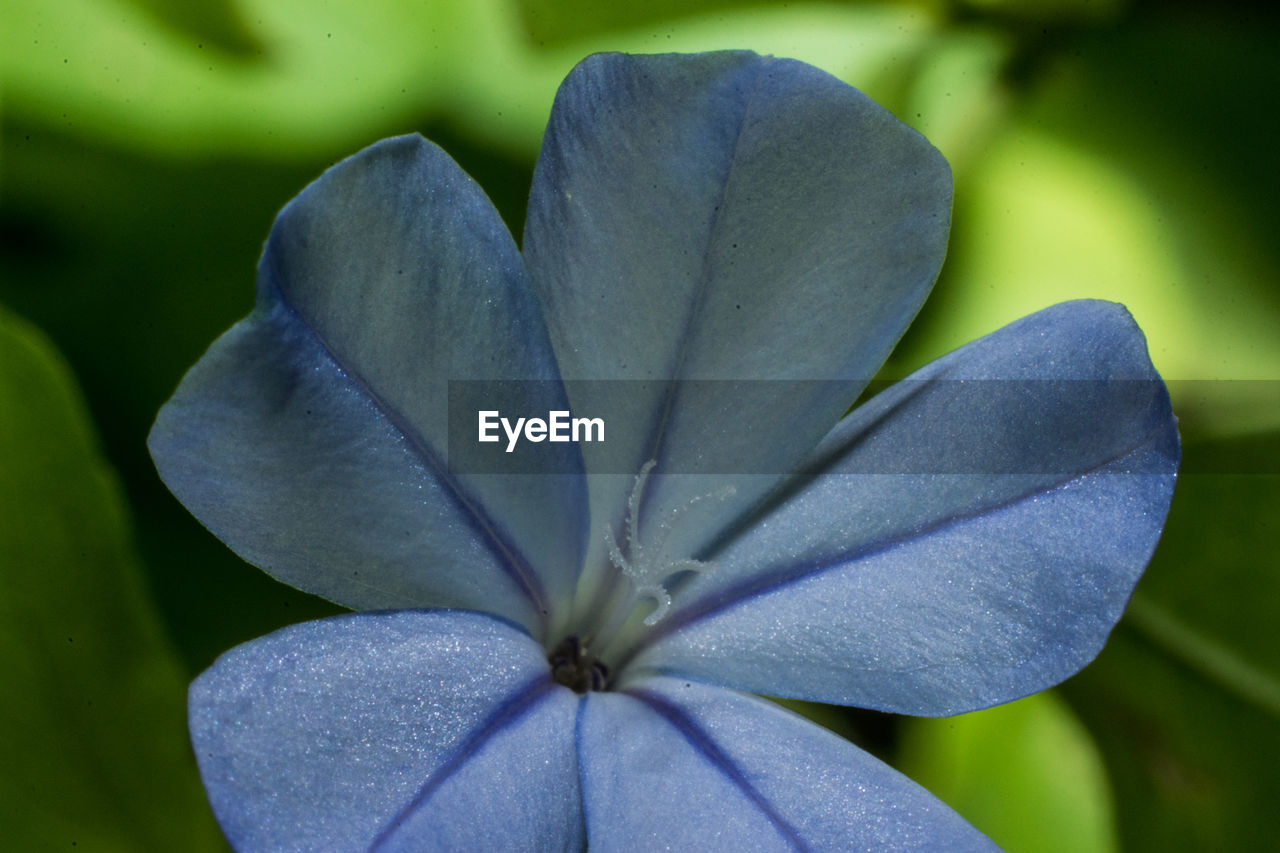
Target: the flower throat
(638, 572)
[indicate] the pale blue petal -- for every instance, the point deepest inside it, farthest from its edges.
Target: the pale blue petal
(408, 730)
(723, 216)
(674, 765)
(995, 566)
(312, 438)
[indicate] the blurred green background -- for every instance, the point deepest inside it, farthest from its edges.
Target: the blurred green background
(1105, 148)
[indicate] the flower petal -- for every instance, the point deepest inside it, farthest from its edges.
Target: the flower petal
(312, 437)
(675, 765)
(402, 730)
(711, 217)
(971, 536)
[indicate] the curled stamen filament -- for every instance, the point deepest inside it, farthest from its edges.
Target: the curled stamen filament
(642, 563)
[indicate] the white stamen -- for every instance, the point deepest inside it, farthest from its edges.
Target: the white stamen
(643, 564)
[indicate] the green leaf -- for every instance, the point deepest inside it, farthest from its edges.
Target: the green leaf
(92, 725)
(291, 77)
(1185, 699)
(1133, 164)
(211, 24)
(325, 77)
(562, 20)
(1027, 774)
(1050, 11)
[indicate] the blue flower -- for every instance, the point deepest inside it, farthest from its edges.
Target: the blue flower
(563, 656)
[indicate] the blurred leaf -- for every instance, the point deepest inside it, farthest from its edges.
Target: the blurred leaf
(1251, 453)
(1044, 222)
(92, 735)
(1027, 774)
(563, 20)
(335, 76)
(1050, 10)
(1134, 166)
(1185, 699)
(954, 94)
(326, 74)
(1223, 536)
(215, 24)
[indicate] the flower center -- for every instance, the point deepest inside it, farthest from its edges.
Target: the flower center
(638, 574)
(574, 667)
